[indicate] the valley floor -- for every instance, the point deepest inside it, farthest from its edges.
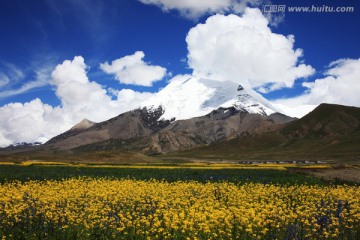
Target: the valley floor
(348, 173)
(330, 171)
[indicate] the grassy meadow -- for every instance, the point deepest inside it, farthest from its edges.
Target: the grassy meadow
(174, 201)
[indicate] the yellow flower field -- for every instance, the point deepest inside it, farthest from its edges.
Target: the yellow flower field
(88, 208)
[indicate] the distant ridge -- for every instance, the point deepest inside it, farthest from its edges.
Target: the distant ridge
(326, 121)
(328, 132)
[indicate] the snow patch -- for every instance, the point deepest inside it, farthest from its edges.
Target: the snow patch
(187, 97)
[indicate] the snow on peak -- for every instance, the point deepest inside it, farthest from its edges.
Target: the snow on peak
(187, 97)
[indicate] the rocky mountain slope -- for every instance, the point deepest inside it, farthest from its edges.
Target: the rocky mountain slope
(75, 130)
(219, 125)
(235, 124)
(328, 132)
(187, 113)
(134, 124)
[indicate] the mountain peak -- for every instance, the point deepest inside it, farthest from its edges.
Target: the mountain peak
(187, 97)
(84, 124)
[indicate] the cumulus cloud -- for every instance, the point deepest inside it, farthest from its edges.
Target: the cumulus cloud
(245, 50)
(80, 98)
(339, 86)
(194, 9)
(130, 99)
(294, 110)
(133, 69)
(30, 122)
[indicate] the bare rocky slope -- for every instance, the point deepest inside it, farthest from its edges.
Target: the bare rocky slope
(75, 130)
(141, 131)
(206, 111)
(133, 124)
(219, 125)
(328, 132)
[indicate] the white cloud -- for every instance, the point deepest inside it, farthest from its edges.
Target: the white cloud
(131, 99)
(29, 122)
(340, 86)
(83, 98)
(194, 9)
(133, 70)
(245, 50)
(113, 92)
(24, 88)
(297, 111)
(14, 75)
(13, 71)
(80, 98)
(9, 74)
(4, 80)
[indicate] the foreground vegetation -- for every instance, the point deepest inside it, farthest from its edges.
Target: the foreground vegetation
(173, 202)
(104, 209)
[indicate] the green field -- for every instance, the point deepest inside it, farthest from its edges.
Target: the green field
(168, 173)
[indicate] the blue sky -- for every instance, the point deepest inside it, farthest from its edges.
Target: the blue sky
(37, 36)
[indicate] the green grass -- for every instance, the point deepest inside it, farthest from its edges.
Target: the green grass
(274, 146)
(36, 172)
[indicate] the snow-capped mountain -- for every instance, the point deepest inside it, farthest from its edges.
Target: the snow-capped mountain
(187, 97)
(188, 112)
